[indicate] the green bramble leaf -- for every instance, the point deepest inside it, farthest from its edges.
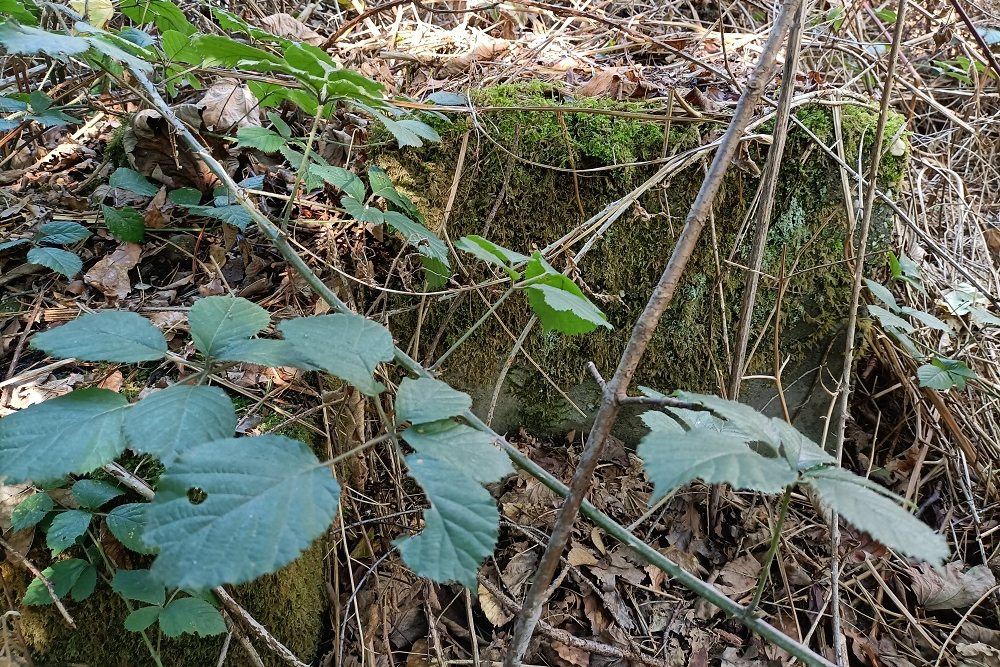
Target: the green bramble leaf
(219, 321)
(138, 585)
(943, 374)
(231, 214)
(30, 511)
(61, 233)
(417, 236)
(926, 319)
(92, 493)
(261, 138)
(60, 261)
(164, 14)
(460, 527)
(142, 618)
(126, 523)
(492, 253)
(71, 434)
(74, 577)
(232, 510)
(132, 181)
(427, 400)
(66, 528)
(468, 450)
(126, 224)
(876, 514)
(168, 422)
(340, 178)
(107, 335)
(192, 616)
(348, 346)
(559, 304)
(7, 245)
(888, 319)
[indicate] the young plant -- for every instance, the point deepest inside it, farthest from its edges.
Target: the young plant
(43, 253)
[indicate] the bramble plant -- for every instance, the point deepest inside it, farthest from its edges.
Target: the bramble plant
(227, 509)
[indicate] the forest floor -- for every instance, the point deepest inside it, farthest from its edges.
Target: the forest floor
(935, 446)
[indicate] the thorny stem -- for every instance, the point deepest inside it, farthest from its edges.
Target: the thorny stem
(852, 322)
(642, 333)
(606, 523)
(765, 569)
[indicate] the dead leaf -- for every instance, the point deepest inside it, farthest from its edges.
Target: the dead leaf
(492, 609)
(515, 575)
(978, 633)
(229, 105)
(949, 587)
(157, 215)
(620, 83)
(96, 12)
(113, 382)
(484, 49)
(977, 655)
(571, 656)
(580, 555)
(150, 146)
(110, 275)
(286, 25)
(739, 576)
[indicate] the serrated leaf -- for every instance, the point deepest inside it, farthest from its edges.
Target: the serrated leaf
(279, 124)
(92, 493)
(877, 515)
(460, 527)
(428, 400)
(66, 528)
(191, 616)
(360, 211)
(185, 197)
(7, 245)
(233, 214)
(74, 433)
(72, 576)
(126, 523)
(142, 618)
(882, 293)
(107, 335)
(574, 313)
(164, 14)
(265, 500)
(417, 236)
(132, 181)
(340, 178)
(740, 418)
(492, 253)
(659, 421)
(18, 39)
(30, 511)
(266, 352)
(57, 259)
(61, 233)
(468, 450)
(934, 377)
(381, 186)
(219, 321)
(887, 319)
(260, 138)
(126, 224)
(170, 421)
(673, 459)
(348, 346)
(139, 585)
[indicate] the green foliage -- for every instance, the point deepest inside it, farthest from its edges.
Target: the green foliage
(31, 511)
(126, 224)
(218, 322)
(139, 585)
(60, 261)
(126, 523)
(751, 451)
(53, 233)
(206, 499)
(73, 577)
(426, 400)
(943, 374)
(132, 181)
(559, 304)
(108, 335)
(191, 616)
(169, 422)
(92, 493)
(66, 528)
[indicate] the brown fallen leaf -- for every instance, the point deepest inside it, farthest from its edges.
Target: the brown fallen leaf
(286, 25)
(150, 146)
(571, 656)
(739, 576)
(492, 609)
(580, 555)
(949, 587)
(229, 104)
(110, 275)
(484, 49)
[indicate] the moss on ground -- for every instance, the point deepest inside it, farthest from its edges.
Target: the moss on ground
(538, 204)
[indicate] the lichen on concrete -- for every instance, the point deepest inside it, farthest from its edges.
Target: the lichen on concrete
(692, 347)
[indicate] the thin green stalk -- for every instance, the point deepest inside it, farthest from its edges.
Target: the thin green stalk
(609, 525)
(765, 570)
(472, 329)
(286, 214)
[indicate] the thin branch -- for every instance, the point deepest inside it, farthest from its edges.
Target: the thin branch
(16, 555)
(642, 333)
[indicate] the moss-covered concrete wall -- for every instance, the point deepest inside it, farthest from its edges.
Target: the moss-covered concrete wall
(509, 193)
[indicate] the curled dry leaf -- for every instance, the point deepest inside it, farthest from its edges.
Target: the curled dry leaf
(151, 150)
(110, 275)
(286, 25)
(949, 587)
(229, 105)
(619, 83)
(492, 609)
(484, 49)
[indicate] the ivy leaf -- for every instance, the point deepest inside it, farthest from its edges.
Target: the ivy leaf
(219, 321)
(259, 503)
(168, 422)
(138, 585)
(107, 335)
(132, 181)
(877, 515)
(126, 523)
(65, 529)
(340, 178)
(61, 233)
(191, 616)
(126, 224)
(74, 433)
(348, 346)
(60, 261)
(468, 450)
(92, 493)
(142, 618)
(261, 138)
(428, 400)
(30, 511)
(673, 459)
(73, 576)
(460, 527)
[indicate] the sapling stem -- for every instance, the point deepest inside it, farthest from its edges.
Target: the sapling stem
(765, 568)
